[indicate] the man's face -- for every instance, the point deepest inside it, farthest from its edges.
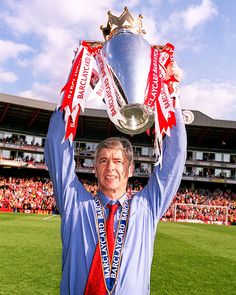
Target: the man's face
(112, 171)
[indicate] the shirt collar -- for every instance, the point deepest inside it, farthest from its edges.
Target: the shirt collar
(105, 200)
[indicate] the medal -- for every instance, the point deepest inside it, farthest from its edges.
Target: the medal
(111, 268)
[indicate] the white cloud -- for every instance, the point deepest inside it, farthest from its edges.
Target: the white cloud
(10, 49)
(56, 55)
(54, 30)
(199, 14)
(43, 91)
(190, 18)
(213, 98)
(7, 77)
(23, 62)
(34, 16)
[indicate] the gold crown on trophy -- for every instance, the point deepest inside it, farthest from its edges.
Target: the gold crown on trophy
(124, 21)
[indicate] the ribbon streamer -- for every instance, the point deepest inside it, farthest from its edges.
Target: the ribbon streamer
(113, 109)
(158, 96)
(76, 88)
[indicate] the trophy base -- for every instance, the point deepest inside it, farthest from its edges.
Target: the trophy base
(137, 119)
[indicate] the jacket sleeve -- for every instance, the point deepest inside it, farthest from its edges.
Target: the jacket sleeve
(59, 156)
(164, 181)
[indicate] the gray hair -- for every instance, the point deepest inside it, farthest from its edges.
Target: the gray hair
(121, 143)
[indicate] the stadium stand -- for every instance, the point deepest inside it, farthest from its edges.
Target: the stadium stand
(35, 195)
(209, 178)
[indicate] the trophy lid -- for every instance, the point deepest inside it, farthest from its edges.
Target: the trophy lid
(124, 21)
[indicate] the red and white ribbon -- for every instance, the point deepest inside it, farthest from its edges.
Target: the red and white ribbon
(158, 96)
(83, 79)
(105, 73)
(76, 88)
(97, 93)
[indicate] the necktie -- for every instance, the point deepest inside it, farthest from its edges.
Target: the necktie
(95, 283)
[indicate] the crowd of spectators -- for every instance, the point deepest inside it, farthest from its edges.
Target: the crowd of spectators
(203, 205)
(36, 195)
(27, 195)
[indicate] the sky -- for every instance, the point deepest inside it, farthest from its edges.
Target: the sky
(38, 39)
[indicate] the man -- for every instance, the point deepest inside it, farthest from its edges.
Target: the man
(86, 267)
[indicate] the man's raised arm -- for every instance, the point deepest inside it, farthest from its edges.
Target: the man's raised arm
(164, 181)
(59, 158)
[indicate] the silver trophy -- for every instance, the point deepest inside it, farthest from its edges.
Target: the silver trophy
(128, 55)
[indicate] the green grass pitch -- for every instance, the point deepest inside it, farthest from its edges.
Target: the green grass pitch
(188, 258)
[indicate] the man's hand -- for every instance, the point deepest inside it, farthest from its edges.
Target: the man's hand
(173, 70)
(173, 76)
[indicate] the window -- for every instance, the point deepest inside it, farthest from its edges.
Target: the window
(199, 155)
(218, 157)
(226, 158)
(6, 154)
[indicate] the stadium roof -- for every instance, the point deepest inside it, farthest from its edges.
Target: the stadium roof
(30, 116)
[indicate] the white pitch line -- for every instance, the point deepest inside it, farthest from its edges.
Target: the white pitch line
(49, 217)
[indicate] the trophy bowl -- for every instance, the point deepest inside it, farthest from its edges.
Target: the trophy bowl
(128, 56)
